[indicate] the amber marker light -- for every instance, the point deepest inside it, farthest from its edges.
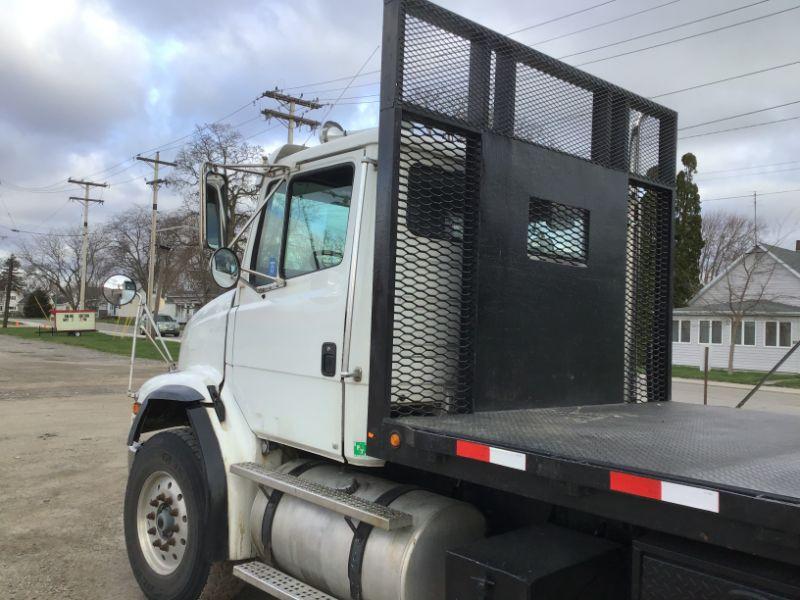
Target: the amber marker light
(394, 439)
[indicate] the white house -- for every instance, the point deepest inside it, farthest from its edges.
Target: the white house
(13, 303)
(755, 302)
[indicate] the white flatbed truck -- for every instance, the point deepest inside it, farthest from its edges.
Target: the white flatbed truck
(442, 368)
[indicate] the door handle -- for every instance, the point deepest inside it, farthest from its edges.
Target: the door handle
(355, 374)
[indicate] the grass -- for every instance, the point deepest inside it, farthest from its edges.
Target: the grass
(96, 341)
(746, 377)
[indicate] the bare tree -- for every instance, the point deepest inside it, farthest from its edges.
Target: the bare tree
(219, 143)
(743, 290)
(727, 236)
(130, 242)
(56, 260)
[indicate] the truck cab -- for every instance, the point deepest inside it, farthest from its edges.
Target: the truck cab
(441, 368)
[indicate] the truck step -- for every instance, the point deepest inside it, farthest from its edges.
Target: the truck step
(277, 583)
(340, 502)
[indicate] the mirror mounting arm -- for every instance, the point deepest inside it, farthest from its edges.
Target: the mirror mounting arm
(278, 281)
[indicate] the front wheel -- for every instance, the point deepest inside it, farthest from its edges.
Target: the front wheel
(165, 517)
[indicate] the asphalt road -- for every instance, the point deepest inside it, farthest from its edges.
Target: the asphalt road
(64, 416)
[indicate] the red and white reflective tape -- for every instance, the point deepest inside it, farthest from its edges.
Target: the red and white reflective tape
(674, 493)
(496, 456)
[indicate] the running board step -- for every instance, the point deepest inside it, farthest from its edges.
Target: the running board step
(340, 502)
(277, 583)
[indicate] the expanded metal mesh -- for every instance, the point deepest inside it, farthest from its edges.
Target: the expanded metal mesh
(557, 233)
(647, 294)
(439, 174)
(454, 81)
(456, 69)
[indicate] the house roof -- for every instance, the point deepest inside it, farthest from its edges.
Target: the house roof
(790, 257)
(749, 307)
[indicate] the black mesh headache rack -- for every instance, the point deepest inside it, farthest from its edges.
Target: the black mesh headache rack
(521, 323)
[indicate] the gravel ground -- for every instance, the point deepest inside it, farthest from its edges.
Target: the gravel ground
(64, 417)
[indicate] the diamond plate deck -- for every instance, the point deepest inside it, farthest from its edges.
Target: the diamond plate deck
(744, 451)
(277, 583)
(349, 505)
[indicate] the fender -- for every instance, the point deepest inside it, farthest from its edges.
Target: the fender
(172, 405)
(189, 397)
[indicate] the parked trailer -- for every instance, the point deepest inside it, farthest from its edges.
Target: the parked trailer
(442, 369)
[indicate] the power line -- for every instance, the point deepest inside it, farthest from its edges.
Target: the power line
(778, 164)
(670, 28)
(702, 85)
(745, 114)
(598, 25)
(689, 37)
(742, 174)
(553, 20)
(687, 137)
(48, 233)
(8, 212)
(377, 71)
(331, 106)
(750, 195)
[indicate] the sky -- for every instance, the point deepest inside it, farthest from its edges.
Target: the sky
(88, 84)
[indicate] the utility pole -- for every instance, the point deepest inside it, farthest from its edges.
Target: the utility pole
(755, 217)
(86, 185)
(151, 261)
(9, 284)
(291, 118)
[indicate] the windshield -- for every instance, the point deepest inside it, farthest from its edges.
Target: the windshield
(164, 318)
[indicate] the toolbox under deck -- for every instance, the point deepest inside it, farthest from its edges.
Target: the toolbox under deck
(742, 451)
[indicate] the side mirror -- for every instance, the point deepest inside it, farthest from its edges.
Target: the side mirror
(213, 209)
(119, 290)
(225, 268)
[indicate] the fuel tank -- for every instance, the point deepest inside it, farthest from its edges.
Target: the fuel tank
(316, 545)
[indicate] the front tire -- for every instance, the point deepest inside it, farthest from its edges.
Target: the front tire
(165, 517)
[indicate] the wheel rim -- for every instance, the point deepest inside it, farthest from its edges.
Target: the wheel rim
(162, 522)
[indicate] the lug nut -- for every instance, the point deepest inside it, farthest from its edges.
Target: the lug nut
(175, 528)
(154, 503)
(152, 531)
(157, 544)
(170, 542)
(160, 496)
(151, 516)
(173, 512)
(167, 500)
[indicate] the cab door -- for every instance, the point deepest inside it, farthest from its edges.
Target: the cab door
(285, 354)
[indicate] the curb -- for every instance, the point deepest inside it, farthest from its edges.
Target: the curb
(739, 386)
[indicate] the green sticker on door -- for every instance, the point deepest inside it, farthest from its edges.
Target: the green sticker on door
(360, 448)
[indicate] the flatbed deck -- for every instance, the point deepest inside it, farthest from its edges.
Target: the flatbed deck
(737, 465)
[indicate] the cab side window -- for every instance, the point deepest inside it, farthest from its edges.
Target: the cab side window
(267, 255)
(319, 208)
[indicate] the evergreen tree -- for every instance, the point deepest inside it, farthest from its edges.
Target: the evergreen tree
(688, 238)
(37, 304)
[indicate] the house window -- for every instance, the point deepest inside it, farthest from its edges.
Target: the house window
(778, 333)
(710, 332)
(744, 333)
(681, 331)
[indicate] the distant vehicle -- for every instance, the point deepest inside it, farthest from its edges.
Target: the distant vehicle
(166, 325)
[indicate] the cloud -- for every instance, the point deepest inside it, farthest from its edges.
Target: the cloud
(87, 84)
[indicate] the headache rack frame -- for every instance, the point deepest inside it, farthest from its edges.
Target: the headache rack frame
(523, 258)
(523, 232)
